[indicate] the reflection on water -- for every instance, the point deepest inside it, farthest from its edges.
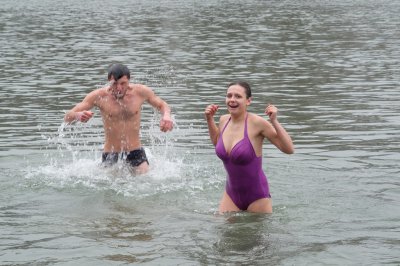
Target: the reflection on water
(246, 236)
(332, 69)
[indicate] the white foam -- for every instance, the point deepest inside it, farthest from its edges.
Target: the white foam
(75, 161)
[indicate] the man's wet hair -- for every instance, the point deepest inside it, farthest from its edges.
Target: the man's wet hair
(117, 71)
(243, 84)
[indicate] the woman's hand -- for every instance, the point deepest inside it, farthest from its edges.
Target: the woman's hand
(271, 111)
(210, 111)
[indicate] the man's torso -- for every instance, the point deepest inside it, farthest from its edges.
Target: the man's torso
(121, 119)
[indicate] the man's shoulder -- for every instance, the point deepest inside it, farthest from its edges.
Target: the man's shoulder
(100, 91)
(141, 89)
(98, 94)
(139, 86)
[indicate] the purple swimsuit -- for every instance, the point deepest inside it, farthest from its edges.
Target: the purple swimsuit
(246, 181)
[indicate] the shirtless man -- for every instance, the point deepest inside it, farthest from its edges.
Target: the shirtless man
(120, 106)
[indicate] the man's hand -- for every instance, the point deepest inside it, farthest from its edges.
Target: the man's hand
(210, 111)
(166, 123)
(83, 116)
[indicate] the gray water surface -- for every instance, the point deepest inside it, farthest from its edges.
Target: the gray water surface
(331, 67)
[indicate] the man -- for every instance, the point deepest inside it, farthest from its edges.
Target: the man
(120, 105)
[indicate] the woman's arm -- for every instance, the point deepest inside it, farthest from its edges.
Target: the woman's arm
(213, 130)
(275, 132)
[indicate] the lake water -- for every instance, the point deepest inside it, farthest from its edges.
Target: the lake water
(331, 67)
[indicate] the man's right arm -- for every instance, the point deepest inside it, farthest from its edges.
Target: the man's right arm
(81, 112)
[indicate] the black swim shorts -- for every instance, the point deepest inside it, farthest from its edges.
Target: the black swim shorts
(133, 158)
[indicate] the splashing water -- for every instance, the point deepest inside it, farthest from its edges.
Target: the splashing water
(73, 160)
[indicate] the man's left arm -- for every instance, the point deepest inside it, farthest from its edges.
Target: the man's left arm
(166, 123)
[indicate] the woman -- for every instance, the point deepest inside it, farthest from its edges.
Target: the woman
(238, 143)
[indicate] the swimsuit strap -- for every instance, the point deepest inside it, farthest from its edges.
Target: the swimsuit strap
(222, 132)
(245, 126)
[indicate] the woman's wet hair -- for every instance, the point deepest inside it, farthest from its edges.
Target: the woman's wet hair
(117, 71)
(243, 84)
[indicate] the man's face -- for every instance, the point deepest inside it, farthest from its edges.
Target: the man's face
(118, 88)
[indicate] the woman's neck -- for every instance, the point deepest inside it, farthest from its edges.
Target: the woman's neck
(238, 118)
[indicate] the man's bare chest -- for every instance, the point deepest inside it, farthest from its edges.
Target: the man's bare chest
(120, 109)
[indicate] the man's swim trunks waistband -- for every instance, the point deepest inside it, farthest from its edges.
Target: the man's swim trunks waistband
(133, 158)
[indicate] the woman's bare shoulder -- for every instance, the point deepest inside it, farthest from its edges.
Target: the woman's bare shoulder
(259, 121)
(224, 118)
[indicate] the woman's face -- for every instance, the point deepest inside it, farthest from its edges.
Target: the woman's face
(236, 100)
